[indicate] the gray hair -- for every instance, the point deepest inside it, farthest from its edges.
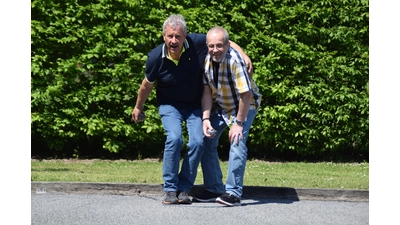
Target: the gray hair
(174, 21)
(220, 29)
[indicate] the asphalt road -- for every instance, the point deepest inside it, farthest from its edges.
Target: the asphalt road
(101, 203)
(81, 209)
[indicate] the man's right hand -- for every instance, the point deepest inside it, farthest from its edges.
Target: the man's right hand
(137, 115)
(207, 126)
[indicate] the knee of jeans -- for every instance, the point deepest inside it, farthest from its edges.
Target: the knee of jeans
(239, 149)
(174, 140)
(196, 143)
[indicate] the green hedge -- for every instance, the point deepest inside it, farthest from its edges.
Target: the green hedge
(310, 58)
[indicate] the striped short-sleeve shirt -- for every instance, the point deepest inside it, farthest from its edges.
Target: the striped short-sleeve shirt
(233, 80)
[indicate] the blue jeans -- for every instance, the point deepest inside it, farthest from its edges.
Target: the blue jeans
(212, 174)
(172, 120)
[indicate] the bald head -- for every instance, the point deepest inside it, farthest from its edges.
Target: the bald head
(218, 31)
(218, 43)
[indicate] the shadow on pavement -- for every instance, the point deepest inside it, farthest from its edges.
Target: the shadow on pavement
(255, 192)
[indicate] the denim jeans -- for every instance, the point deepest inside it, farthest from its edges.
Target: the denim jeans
(237, 158)
(172, 120)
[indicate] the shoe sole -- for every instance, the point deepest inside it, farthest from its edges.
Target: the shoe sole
(185, 202)
(220, 201)
(170, 203)
(205, 200)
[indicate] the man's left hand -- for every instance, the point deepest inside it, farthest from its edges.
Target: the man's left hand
(235, 133)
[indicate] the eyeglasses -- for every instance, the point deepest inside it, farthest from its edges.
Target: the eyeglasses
(218, 46)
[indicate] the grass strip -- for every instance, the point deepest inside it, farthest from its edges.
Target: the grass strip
(353, 176)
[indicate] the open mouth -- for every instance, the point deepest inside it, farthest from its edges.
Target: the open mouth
(174, 48)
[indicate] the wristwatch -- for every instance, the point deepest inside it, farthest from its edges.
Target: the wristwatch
(240, 123)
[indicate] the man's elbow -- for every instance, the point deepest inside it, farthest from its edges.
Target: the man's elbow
(246, 96)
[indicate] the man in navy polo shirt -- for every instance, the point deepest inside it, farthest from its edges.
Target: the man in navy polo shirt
(176, 68)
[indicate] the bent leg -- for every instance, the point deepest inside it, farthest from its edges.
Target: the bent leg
(195, 148)
(237, 160)
(172, 122)
(212, 174)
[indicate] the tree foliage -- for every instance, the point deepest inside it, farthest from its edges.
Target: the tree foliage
(310, 58)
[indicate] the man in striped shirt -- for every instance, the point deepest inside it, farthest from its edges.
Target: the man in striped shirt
(230, 99)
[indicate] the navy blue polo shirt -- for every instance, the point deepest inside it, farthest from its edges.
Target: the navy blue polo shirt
(179, 85)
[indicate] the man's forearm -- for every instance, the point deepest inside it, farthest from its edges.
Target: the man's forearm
(244, 105)
(245, 57)
(143, 94)
(237, 48)
(206, 102)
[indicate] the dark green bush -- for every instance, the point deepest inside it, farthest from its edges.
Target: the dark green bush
(310, 58)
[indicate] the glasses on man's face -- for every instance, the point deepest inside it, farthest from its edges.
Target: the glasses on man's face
(217, 46)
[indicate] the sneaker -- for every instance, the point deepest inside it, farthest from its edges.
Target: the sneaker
(170, 198)
(183, 198)
(228, 199)
(206, 196)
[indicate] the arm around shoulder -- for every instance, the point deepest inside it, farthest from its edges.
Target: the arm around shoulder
(246, 58)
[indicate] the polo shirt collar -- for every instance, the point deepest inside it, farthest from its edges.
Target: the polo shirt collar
(164, 48)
